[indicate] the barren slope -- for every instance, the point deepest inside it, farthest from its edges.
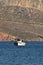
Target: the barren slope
(24, 22)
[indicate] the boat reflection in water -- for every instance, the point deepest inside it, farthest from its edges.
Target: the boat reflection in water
(20, 42)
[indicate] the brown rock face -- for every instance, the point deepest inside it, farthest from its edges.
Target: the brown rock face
(6, 37)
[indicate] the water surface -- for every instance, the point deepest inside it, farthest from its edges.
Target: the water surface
(31, 54)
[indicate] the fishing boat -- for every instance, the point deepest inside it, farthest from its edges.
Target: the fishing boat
(20, 42)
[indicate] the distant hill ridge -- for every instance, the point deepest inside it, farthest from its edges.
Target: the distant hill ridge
(23, 3)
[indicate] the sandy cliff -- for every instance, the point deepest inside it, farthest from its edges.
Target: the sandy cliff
(6, 37)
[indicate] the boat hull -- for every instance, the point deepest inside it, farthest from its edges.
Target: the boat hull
(21, 43)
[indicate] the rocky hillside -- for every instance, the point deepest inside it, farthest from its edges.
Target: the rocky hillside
(22, 18)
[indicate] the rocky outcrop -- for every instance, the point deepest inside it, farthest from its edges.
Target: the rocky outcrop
(6, 37)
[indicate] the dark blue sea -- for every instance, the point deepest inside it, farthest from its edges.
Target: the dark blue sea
(31, 54)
